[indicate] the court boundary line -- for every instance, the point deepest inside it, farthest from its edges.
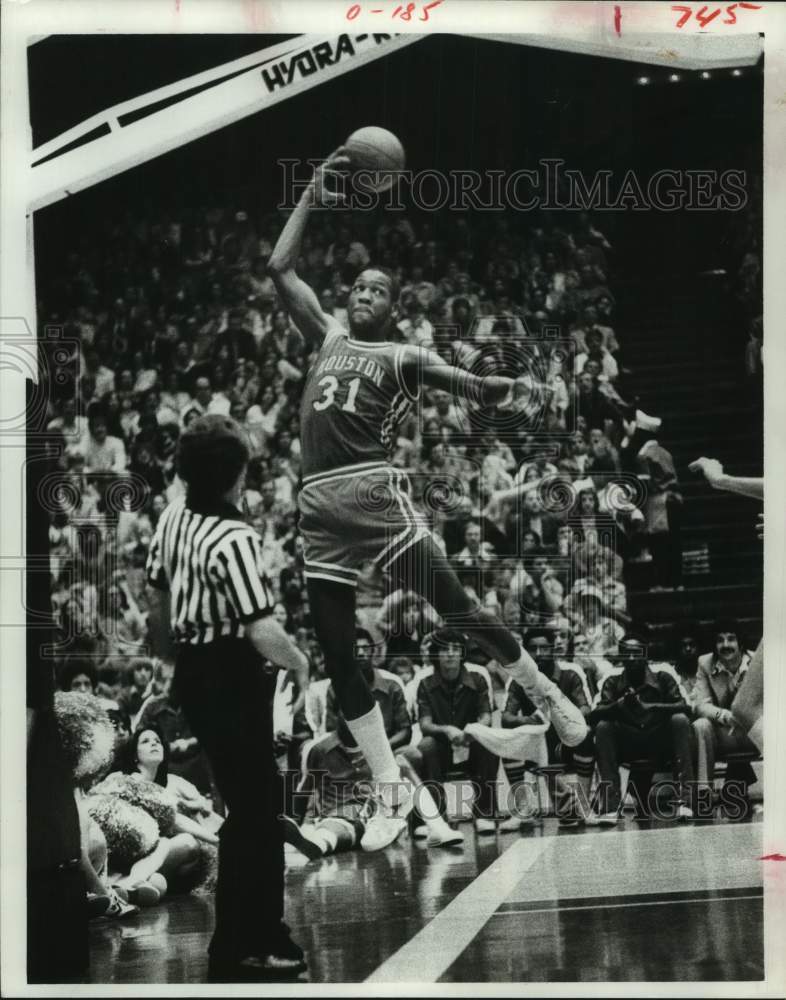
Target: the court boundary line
(675, 896)
(631, 905)
(431, 952)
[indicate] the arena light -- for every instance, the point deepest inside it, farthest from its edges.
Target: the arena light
(705, 75)
(643, 80)
(675, 78)
(736, 72)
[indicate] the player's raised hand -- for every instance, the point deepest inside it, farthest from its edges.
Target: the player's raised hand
(327, 178)
(710, 468)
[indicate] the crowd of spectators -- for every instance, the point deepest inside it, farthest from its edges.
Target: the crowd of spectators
(163, 319)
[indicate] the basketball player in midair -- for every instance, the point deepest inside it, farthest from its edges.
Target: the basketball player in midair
(355, 506)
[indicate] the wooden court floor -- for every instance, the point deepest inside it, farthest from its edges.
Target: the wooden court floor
(658, 903)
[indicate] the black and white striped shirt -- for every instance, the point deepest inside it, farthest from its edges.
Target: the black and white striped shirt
(212, 565)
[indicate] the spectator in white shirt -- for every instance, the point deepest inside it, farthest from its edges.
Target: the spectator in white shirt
(446, 412)
(201, 400)
(104, 377)
(327, 302)
(540, 462)
(597, 352)
(591, 318)
(475, 551)
(414, 327)
(72, 426)
(103, 453)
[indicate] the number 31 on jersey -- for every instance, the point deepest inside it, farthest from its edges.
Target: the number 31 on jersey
(329, 385)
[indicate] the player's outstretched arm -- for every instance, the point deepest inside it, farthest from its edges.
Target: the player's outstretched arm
(712, 470)
(424, 367)
(299, 298)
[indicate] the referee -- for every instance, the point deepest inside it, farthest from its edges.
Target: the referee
(220, 602)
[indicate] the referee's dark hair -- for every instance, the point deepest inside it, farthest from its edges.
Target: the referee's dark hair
(211, 454)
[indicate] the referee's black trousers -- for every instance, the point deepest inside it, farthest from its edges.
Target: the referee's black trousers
(226, 697)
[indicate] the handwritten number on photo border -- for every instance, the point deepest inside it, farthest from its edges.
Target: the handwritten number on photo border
(401, 12)
(704, 18)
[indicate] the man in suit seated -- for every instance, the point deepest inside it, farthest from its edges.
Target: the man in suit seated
(718, 678)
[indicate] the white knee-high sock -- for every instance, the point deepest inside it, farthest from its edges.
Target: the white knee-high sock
(428, 809)
(370, 736)
(524, 671)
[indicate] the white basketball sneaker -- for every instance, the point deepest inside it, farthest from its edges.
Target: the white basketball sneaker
(569, 724)
(442, 835)
(381, 831)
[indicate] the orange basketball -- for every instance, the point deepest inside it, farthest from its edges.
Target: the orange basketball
(378, 150)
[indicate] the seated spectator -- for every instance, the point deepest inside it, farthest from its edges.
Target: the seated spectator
(176, 854)
(162, 711)
(103, 453)
(145, 465)
(448, 700)
(238, 340)
(597, 352)
(72, 426)
(600, 574)
(535, 518)
(539, 591)
(685, 641)
(446, 411)
(589, 403)
(502, 599)
(475, 551)
(586, 608)
(119, 619)
(103, 377)
(640, 712)
(405, 620)
(414, 327)
(139, 687)
(575, 455)
(594, 317)
(403, 668)
(588, 551)
(603, 459)
(718, 678)
(541, 464)
(80, 675)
